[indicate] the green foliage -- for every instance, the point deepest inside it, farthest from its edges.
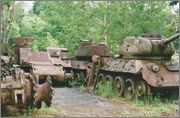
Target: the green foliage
(69, 22)
(7, 3)
(105, 89)
(147, 100)
(45, 112)
(65, 23)
(83, 88)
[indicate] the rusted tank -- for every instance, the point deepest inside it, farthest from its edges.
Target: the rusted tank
(144, 65)
(16, 86)
(60, 57)
(20, 83)
(37, 66)
(83, 58)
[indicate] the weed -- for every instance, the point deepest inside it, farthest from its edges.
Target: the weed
(47, 111)
(105, 90)
(78, 81)
(148, 105)
(83, 88)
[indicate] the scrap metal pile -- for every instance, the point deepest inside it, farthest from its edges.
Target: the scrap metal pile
(6, 67)
(144, 63)
(20, 86)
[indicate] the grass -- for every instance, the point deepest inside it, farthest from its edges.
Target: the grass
(78, 82)
(48, 112)
(106, 91)
(83, 88)
(43, 112)
(147, 106)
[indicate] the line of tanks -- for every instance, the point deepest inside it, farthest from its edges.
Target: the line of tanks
(144, 64)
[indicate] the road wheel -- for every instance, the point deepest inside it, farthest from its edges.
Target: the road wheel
(118, 86)
(99, 81)
(129, 90)
(148, 90)
(140, 88)
(69, 81)
(82, 78)
(106, 81)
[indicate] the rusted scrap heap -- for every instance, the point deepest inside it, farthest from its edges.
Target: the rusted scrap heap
(83, 57)
(6, 67)
(13, 81)
(19, 85)
(144, 65)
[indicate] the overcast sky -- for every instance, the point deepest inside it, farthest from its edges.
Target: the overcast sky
(28, 5)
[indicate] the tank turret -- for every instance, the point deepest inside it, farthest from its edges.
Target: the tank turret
(148, 47)
(89, 48)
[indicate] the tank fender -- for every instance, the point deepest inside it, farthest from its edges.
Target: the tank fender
(157, 75)
(138, 66)
(148, 77)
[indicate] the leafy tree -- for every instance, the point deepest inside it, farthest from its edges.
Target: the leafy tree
(65, 23)
(11, 18)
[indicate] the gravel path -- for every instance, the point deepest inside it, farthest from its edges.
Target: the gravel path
(71, 102)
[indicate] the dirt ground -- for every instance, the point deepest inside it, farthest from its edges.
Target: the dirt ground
(72, 102)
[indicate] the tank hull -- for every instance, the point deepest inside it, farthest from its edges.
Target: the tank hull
(162, 77)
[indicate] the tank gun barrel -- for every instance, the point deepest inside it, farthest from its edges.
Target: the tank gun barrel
(170, 39)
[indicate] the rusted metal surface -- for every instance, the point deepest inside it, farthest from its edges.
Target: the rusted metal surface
(38, 58)
(83, 58)
(23, 54)
(158, 76)
(6, 67)
(143, 63)
(88, 49)
(120, 65)
(147, 47)
(165, 76)
(43, 92)
(17, 86)
(172, 65)
(59, 56)
(42, 65)
(93, 72)
(79, 64)
(51, 70)
(22, 43)
(16, 91)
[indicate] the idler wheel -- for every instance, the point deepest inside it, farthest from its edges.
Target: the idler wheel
(140, 88)
(148, 90)
(100, 77)
(118, 86)
(99, 81)
(129, 90)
